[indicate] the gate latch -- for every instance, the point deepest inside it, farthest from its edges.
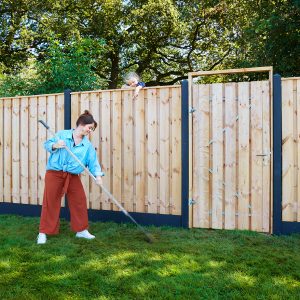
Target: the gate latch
(265, 156)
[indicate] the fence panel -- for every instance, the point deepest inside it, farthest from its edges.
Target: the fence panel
(290, 149)
(139, 147)
(23, 158)
(231, 156)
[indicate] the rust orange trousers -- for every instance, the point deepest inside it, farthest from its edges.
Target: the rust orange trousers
(58, 183)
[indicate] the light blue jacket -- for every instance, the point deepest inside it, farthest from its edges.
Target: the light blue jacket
(61, 160)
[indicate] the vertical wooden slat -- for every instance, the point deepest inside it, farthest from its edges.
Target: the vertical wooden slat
(295, 148)
(230, 155)
(266, 168)
(7, 139)
(140, 174)
(217, 156)
(243, 153)
(106, 146)
(33, 158)
(42, 157)
(201, 116)
(1, 150)
(15, 150)
(85, 178)
(175, 200)
(127, 150)
(287, 151)
(24, 139)
(116, 129)
(152, 151)
(256, 155)
(59, 113)
(75, 112)
(51, 108)
(95, 140)
(298, 147)
(164, 150)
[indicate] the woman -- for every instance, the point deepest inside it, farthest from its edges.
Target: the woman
(62, 177)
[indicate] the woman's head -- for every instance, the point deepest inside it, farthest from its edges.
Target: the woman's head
(132, 79)
(87, 122)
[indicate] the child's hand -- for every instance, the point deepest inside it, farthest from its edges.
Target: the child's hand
(136, 91)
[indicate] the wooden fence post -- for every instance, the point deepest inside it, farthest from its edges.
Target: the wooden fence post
(67, 109)
(277, 155)
(67, 125)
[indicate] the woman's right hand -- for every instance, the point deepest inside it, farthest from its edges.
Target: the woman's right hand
(59, 144)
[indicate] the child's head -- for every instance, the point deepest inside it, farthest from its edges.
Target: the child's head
(132, 79)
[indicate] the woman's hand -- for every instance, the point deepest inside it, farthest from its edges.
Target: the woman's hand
(99, 180)
(59, 144)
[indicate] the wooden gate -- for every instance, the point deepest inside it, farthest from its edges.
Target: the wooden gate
(230, 128)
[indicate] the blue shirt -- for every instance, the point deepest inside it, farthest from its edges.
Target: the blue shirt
(140, 83)
(61, 160)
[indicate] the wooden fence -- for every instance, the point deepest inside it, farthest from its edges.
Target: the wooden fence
(139, 145)
(138, 142)
(291, 149)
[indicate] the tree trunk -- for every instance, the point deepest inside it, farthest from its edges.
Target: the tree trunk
(114, 74)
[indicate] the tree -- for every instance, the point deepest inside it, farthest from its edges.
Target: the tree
(273, 37)
(161, 40)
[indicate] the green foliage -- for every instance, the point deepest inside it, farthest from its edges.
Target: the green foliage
(270, 37)
(119, 264)
(70, 66)
(61, 67)
(161, 40)
(24, 82)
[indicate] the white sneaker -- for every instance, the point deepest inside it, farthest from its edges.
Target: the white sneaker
(41, 238)
(85, 234)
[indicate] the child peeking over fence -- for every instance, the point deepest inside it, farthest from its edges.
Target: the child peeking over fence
(133, 80)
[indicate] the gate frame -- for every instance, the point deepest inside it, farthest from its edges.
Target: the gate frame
(268, 69)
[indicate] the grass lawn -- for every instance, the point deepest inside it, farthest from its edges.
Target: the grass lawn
(119, 264)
